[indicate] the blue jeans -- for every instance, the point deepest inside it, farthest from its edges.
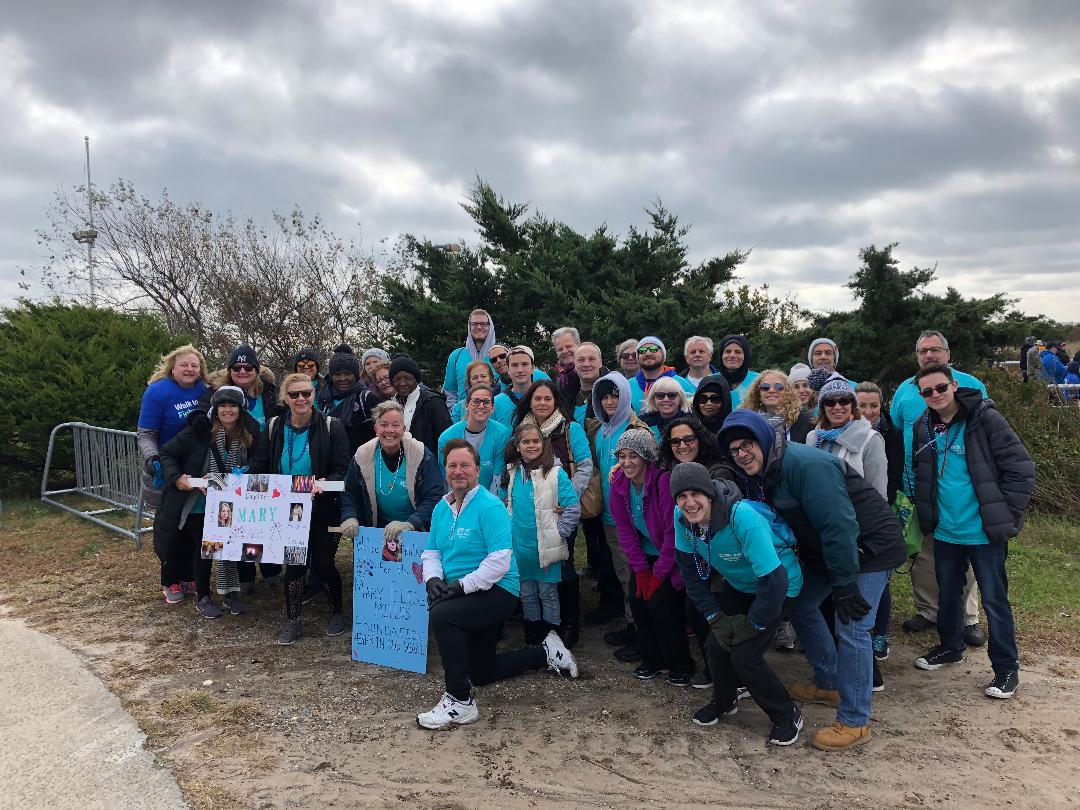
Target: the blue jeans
(845, 664)
(537, 595)
(988, 563)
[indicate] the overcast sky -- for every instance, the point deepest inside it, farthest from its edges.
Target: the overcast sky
(801, 130)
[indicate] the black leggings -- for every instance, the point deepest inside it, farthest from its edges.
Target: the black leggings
(661, 629)
(322, 548)
(466, 630)
(184, 561)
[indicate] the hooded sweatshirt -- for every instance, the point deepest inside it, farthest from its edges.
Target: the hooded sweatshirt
(607, 437)
(714, 383)
(741, 378)
(456, 382)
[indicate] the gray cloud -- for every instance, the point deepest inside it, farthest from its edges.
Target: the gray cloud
(805, 135)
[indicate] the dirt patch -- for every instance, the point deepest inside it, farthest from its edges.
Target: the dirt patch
(306, 727)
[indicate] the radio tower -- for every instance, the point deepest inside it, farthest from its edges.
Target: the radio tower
(89, 235)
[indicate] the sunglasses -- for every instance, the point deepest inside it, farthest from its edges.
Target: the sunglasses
(307, 364)
(627, 356)
(298, 394)
(772, 386)
(242, 367)
(666, 395)
(717, 398)
(940, 388)
(498, 358)
(648, 350)
(833, 402)
(687, 440)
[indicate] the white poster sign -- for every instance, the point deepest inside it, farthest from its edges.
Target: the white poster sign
(258, 518)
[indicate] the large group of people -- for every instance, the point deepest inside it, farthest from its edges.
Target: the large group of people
(725, 511)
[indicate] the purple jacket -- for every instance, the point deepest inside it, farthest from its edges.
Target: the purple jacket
(659, 517)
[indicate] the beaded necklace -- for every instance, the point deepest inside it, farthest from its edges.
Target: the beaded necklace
(393, 476)
(702, 534)
(940, 429)
(303, 447)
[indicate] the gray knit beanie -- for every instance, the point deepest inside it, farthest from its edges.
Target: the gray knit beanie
(693, 476)
(638, 441)
(836, 387)
(799, 371)
(382, 355)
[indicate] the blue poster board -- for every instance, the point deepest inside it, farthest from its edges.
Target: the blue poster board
(390, 615)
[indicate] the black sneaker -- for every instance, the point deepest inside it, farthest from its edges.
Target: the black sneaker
(620, 638)
(604, 612)
(629, 653)
(1004, 685)
(703, 680)
(938, 657)
(234, 604)
(787, 733)
(289, 633)
(678, 679)
(974, 636)
(879, 682)
(644, 673)
(709, 714)
(917, 624)
(335, 626)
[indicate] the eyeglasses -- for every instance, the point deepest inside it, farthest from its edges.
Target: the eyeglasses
(297, 394)
(481, 403)
(498, 358)
(940, 388)
(648, 350)
(478, 324)
(743, 448)
(627, 355)
(772, 386)
(687, 440)
(666, 395)
(717, 398)
(833, 402)
(929, 349)
(242, 367)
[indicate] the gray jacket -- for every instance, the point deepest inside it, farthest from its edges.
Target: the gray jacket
(863, 448)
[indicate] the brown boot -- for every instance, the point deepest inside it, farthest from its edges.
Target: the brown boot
(808, 693)
(838, 737)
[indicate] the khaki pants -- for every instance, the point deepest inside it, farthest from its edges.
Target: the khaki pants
(622, 568)
(924, 586)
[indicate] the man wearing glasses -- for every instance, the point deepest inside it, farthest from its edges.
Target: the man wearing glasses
(974, 481)
(906, 409)
(651, 355)
(488, 436)
(478, 342)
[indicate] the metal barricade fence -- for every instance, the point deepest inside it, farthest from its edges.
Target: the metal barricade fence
(108, 469)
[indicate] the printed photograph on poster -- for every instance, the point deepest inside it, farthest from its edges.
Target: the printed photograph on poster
(390, 616)
(295, 555)
(255, 517)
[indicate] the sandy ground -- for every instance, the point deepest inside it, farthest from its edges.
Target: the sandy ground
(244, 723)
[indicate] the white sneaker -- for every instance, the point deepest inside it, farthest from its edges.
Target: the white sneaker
(449, 711)
(558, 657)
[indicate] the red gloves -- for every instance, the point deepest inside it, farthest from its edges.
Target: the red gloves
(654, 583)
(643, 584)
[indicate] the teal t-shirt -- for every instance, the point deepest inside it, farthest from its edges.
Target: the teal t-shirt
(296, 453)
(523, 527)
(391, 491)
(199, 507)
(739, 392)
(504, 409)
(491, 449)
(959, 520)
(637, 512)
(255, 408)
(605, 457)
(481, 528)
(743, 551)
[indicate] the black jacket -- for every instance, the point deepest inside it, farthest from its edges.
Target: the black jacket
(717, 384)
(894, 455)
(353, 410)
(330, 455)
(1002, 473)
(802, 427)
(430, 419)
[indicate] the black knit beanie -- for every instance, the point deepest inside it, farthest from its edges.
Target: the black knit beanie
(406, 364)
(344, 360)
(243, 354)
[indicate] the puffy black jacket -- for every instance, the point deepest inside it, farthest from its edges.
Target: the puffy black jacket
(894, 455)
(1002, 473)
(430, 419)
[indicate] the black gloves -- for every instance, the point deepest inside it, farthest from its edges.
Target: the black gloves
(849, 604)
(438, 590)
(200, 423)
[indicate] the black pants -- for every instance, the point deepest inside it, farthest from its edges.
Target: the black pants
(246, 570)
(599, 558)
(661, 628)
(184, 562)
(745, 665)
(701, 629)
(466, 631)
(322, 548)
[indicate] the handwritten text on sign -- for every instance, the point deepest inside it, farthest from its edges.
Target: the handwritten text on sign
(390, 617)
(258, 518)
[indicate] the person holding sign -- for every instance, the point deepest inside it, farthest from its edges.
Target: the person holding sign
(547, 511)
(472, 585)
(392, 482)
(304, 442)
(481, 431)
(178, 525)
(715, 529)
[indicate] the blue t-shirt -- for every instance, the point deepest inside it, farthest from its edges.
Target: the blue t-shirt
(491, 449)
(739, 392)
(255, 408)
(481, 528)
(523, 526)
(295, 452)
(744, 550)
(906, 408)
(959, 520)
(166, 405)
(391, 491)
(637, 512)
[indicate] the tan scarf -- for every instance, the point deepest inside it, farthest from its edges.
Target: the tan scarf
(550, 424)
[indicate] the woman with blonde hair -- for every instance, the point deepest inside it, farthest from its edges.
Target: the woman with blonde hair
(665, 402)
(774, 397)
